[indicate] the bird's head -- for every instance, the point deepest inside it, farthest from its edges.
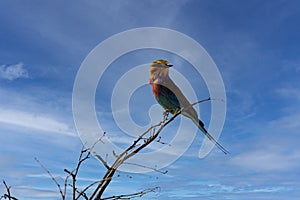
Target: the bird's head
(159, 71)
(163, 64)
(160, 67)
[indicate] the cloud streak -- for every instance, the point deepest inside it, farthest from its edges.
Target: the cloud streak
(266, 160)
(34, 121)
(293, 93)
(35, 193)
(12, 72)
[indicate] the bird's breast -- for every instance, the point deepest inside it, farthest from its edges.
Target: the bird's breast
(156, 89)
(157, 80)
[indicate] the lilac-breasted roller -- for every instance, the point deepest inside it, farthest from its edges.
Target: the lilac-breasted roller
(169, 96)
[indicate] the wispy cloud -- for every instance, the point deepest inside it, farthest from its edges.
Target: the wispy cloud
(212, 189)
(34, 121)
(12, 72)
(275, 148)
(59, 176)
(267, 160)
(289, 123)
(35, 193)
(293, 93)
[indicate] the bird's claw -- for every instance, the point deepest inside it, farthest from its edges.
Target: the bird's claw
(166, 114)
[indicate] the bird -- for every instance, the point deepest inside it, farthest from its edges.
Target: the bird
(170, 97)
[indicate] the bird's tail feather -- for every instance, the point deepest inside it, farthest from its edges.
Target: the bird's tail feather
(200, 125)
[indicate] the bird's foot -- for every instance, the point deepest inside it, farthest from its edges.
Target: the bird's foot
(166, 114)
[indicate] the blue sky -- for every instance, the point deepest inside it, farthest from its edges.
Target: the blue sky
(255, 45)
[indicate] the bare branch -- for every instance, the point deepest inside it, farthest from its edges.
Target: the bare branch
(83, 156)
(8, 195)
(204, 100)
(102, 160)
(133, 195)
(82, 193)
(63, 196)
(140, 143)
(161, 142)
(66, 184)
(129, 152)
(146, 167)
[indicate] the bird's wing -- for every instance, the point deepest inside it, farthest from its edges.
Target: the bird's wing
(184, 103)
(170, 96)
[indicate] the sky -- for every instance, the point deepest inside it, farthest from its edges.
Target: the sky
(254, 44)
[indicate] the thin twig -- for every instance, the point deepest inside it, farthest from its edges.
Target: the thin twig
(83, 156)
(82, 192)
(110, 172)
(101, 159)
(125, 154)
(8, 195)
(134, 149)
(53, 178)
(133, 195)
(146, 167)
(161, 142)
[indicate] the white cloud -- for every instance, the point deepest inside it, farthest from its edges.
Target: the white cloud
(267, 160)
(59, 176)
(275, 149)
(289, 123)
(12, 72)
(293, 93)
(35, 193)
(34, 121)
(244, 109)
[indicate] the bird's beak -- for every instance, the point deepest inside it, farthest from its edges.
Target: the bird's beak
(169, 65)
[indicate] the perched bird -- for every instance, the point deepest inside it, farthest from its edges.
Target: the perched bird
(169, 96)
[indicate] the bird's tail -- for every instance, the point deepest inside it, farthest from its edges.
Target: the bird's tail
(200, 125)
